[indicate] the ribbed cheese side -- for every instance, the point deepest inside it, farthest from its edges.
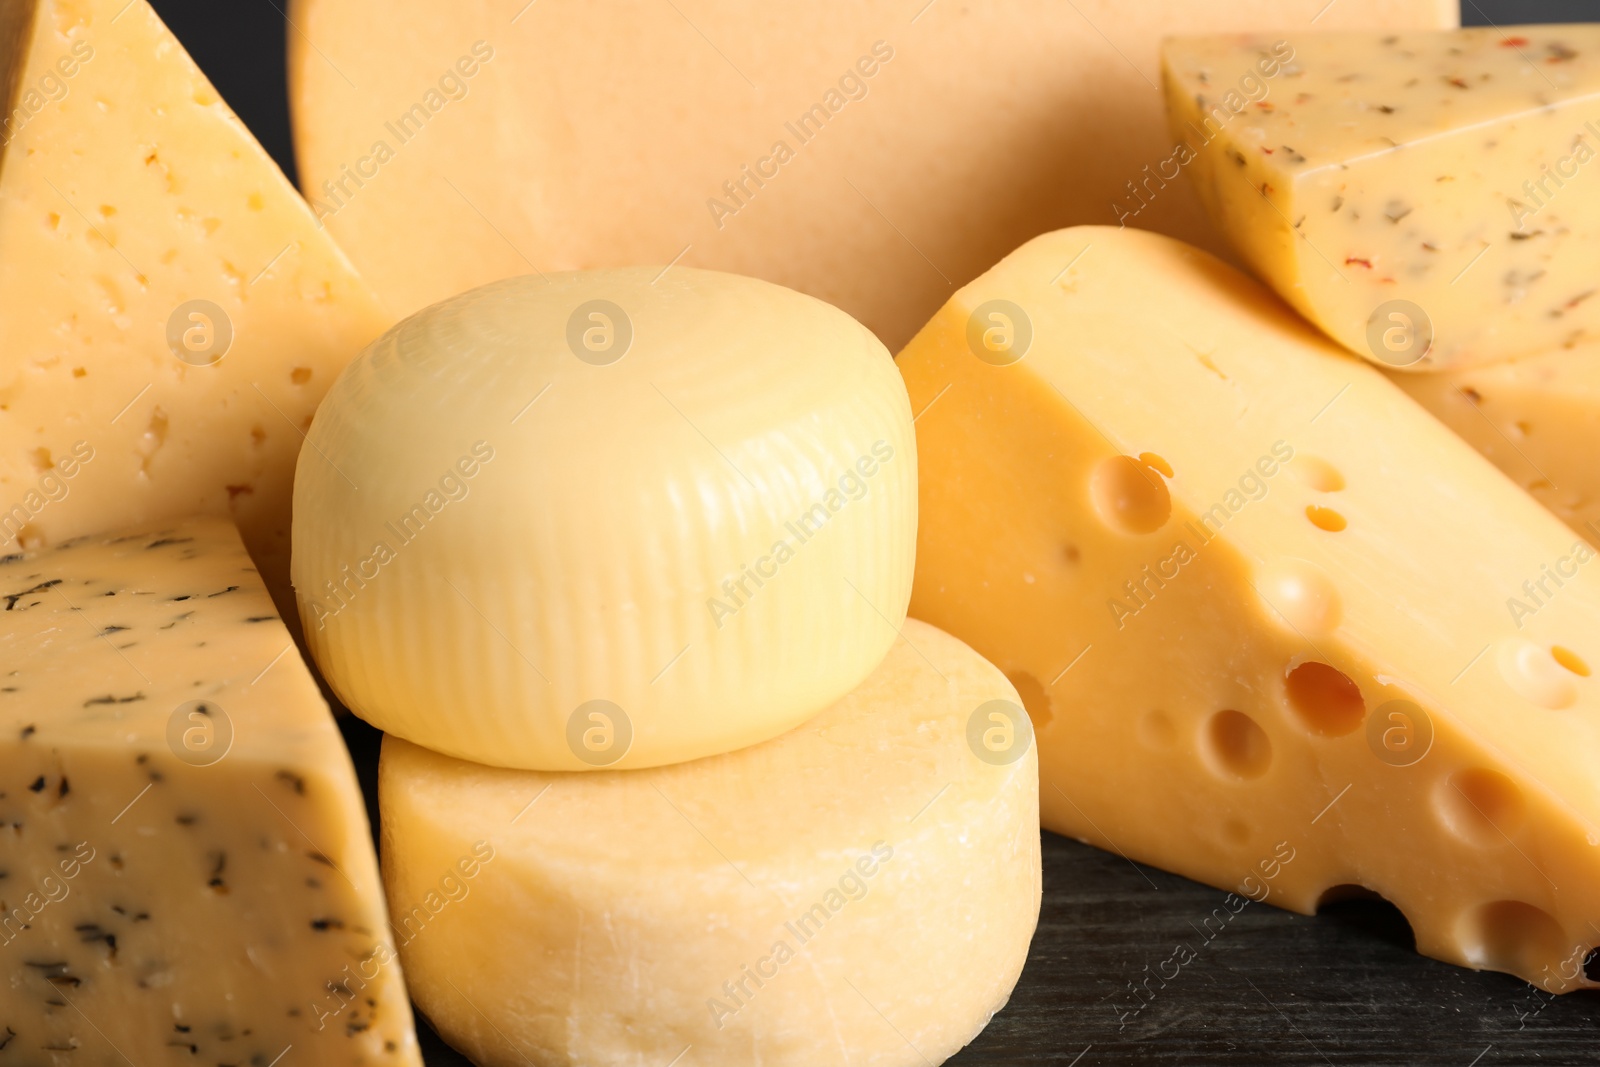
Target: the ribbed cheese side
(588, 558)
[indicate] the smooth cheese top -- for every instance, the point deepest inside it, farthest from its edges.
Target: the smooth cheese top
(105, 637)
(687, 493)
(872, 153)
(1347, 95)
(1427, 541)
(860, 771)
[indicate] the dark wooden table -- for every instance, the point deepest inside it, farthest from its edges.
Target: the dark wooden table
(1343, 987)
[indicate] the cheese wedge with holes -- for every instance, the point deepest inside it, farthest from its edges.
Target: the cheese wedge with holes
(1268, 615)
(170, 311)
(1536, 418)
(872, 154)
(681, 501)
(862, 889)
(187, 874)
(1426, 198)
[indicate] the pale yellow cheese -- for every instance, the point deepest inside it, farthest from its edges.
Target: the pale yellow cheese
(874, 154)
(186, 875)
(1427, 198)
(170, 311)
(1269, 616)
(859, 891)
(1537, 419)
(687, 496)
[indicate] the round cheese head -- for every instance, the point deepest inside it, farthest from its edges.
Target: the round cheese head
(610, 519)
(860, 890)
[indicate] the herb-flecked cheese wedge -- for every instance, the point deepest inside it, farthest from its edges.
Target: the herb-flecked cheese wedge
(186, 871)
(1425, 197)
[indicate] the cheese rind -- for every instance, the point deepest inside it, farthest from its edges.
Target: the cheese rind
(1423, 197)
(705, 522)
(862, 889)
(187, 874)
(170, 311)
(847, 150)
(1261, 605)
(1536, 418)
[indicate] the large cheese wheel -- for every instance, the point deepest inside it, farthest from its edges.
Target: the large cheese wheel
(861, 890)
(873, 153)
(613, 519)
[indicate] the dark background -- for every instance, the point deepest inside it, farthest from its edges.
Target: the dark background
(1343, 987)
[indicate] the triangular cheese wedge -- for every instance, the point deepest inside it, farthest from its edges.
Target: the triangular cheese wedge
(1263, 608)
(189, 875)
(1537, 419)
(170, 312)
(1419, 195)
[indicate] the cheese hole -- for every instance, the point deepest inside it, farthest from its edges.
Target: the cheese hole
(1369, 912)
(1235, 832)
(1325, 518)
(79, 372)
(1508, 935)
(1034, 698)
(1571, 661)
(1536, 673)
(1480, 806)
(1130, 496)
(1326, 701)
(1155, 462)
(1235, 746)
(1303, 594)
(1317, 474)
(300, 375)
(42, 460)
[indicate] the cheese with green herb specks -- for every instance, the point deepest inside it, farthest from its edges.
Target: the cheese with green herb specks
(186, 870)
(1430, 199)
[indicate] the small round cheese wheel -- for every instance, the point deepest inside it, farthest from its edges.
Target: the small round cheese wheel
(611, 519)
(860, 890)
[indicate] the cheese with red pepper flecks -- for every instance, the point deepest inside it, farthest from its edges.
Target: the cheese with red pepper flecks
(1429, 198)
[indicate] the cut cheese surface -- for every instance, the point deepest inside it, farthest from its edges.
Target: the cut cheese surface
(187, 874)
(860, 891)
(1421, 196)
(1259, 603)
(170, 312)
(675, 503)
(872, 154)
(1536, 418)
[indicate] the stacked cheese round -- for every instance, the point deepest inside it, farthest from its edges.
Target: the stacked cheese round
(860, 890)
(621, 519)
